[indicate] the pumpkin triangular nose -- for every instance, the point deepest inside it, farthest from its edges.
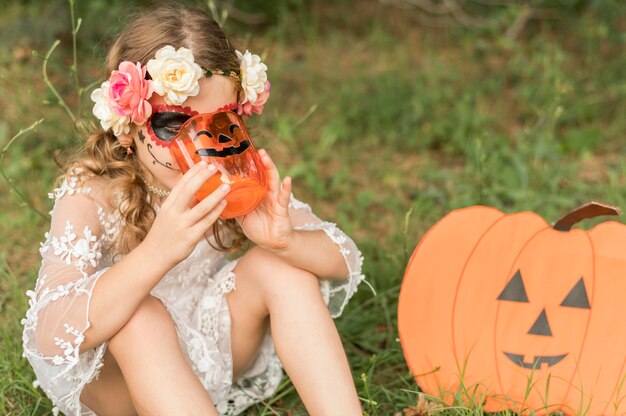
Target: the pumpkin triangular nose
(222, 138)
(541, 325)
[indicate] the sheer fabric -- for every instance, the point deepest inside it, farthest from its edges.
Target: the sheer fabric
(76, 253)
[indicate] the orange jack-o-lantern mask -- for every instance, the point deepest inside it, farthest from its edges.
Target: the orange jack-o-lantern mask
(221, 139)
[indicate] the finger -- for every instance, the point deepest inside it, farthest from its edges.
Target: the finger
(195, 169)
(285, 192)
(273, 179)
(208, 203)
(189, 188)
(210, 218)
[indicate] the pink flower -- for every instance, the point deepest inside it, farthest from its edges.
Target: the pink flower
(129, 92)
(247, 108)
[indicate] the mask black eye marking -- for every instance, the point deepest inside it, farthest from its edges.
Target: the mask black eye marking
(577, 297)
(166, 124)
(232, 128)
(224, 138)
(201, 132)
(514, 290)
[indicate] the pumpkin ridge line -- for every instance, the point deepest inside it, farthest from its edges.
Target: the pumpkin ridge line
(582, 345)
(511, 268)
(408, 267)
(462, 272)
(436, 226)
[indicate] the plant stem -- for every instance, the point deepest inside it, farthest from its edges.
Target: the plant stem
(7, 179)
(44, 71)
(75, 27)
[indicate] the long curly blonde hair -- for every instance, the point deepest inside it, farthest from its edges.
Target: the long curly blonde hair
(103, 155)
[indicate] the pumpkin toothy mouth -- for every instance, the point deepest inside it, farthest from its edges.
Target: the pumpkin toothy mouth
(537, 362)
(227, 151)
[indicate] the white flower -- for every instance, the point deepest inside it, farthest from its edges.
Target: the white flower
(174, 74)
(253, 76)
(108, 118)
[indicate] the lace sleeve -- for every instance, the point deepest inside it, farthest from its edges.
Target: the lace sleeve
(58, 312)
(336, 293)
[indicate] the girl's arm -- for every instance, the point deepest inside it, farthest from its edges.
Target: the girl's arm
(80, 300)
(120, 291)
(77, 303)
(326, 251)
(288, 227)
(314, 251)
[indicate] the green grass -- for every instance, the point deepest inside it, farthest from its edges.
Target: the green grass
(374, 116)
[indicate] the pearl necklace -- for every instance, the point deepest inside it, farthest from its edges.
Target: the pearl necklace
(157, 191)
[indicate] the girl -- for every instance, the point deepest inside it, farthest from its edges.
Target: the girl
(137, 309)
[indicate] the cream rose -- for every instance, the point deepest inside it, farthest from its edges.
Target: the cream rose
(253, 76)
(174, 74)
(107, 116)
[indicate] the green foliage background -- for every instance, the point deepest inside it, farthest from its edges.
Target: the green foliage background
(385, 115)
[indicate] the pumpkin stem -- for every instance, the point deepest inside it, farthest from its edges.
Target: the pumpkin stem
(588, 210)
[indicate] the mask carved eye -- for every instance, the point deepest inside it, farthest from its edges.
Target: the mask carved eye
(514, 290)
(165, 125)
(202, 132)
(232, 128)
(577, 297)
(224, 138)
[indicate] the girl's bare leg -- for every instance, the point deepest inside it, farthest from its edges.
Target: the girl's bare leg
(303, 331)
(159, 379)
(109, 395)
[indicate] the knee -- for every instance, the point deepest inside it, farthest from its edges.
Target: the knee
(151, 316)
(272, 275)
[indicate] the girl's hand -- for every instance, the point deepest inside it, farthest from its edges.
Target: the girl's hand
(182, 221)
(269, 225)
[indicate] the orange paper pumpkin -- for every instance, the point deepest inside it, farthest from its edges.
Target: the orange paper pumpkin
(514, 313)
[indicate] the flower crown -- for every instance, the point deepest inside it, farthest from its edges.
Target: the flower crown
(123, 98)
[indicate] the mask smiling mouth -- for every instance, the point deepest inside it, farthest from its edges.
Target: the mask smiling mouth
(537, 362)
(227, 151)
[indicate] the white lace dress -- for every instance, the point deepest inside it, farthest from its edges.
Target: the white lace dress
(78, 250)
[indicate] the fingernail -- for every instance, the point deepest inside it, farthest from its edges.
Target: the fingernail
(202, 163)
(224, 187)
(212, 168)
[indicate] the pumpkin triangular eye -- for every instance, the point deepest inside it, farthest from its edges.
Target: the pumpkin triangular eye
(577, 297)
(514, 290)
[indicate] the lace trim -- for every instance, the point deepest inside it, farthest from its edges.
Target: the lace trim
(194, 268)
(72, 400)
(69, 186)
(297, 204)
(110, 225)
(82, 251)
(257, 384)
(209, 321)
(71, 353)
(355, 276)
